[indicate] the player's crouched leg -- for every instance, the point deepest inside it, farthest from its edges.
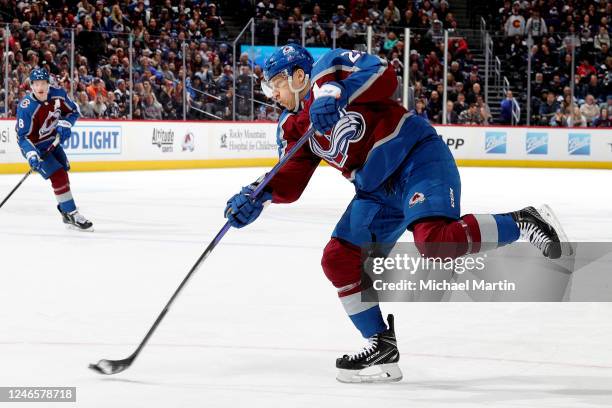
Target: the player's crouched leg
(377, 361)
(341, 263)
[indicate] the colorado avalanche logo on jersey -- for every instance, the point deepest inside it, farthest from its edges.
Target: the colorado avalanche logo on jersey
(50, 122)
(349, 129)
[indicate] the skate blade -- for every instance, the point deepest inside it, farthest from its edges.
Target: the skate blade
(566, 247)
(382, 373)
(75, 228)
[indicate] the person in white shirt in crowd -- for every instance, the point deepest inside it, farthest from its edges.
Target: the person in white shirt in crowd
(515, 25)
(589, 110)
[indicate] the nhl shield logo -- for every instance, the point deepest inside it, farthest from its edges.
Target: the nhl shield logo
(416, 199)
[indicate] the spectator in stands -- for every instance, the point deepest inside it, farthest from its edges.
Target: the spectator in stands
(434, 108)
(548, 109)
(556, 86)
(470, 116)
(483, 110)
(151, 108)
(91, 43)
(454, 92)
(602, 38)
(604, 119)
(607, 104)
(458, 74)
(559, 119)
(136, 106)
(460, 105)
(459, 49)
(359, 11)
(375, 14)
(84, 106)
(536, 26)
(515, 24)
(517, 54)
(436, 33)
(451, 115)
(593, 87)
(394, 11)
(98, 106)
(340, 16)
(390, 42)
(122, 94)
(96, 87)
(585, 69)
(575, 118)
(213, 21)
(420, 109)
(112, 108)
(225, 81)
(589, 110)
(507, 107)
(473, 94)
(263, 7)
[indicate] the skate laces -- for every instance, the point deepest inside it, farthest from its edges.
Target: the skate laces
(533, 234)
(370, 347)
(79, 218)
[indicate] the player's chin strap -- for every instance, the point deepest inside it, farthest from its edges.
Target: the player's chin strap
(296, 92)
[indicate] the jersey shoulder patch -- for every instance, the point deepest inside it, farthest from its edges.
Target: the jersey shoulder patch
(25, 102)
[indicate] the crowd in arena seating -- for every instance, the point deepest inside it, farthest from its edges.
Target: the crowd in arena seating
(558, 30)
(166, 32)
(39, 37)
(427, 19)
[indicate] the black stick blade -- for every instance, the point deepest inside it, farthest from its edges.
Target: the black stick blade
(109, 367)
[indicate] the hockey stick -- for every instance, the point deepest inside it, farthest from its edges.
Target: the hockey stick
(116, 366)
(44, 156)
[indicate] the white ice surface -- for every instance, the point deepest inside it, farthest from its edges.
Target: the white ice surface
(259, 325)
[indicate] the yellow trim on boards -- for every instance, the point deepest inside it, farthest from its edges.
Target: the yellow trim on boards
(16, 168)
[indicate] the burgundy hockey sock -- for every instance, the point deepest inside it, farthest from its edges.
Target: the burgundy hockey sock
(342, 265)
(61, 188)
(440, 237)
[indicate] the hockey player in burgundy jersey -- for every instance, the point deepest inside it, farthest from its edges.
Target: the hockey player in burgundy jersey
(42, 115)
(404, 175)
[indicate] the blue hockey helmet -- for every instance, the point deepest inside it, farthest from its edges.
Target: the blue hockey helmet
(285, 61)
(39, 74)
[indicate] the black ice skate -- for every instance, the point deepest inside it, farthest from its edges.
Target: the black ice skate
(543, 230)
(376, 362)
(76, 221)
